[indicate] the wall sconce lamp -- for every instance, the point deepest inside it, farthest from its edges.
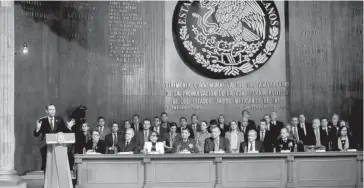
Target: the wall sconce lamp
(24, 50)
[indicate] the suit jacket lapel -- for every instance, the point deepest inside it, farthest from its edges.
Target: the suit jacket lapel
(55, 124)
(221, 144)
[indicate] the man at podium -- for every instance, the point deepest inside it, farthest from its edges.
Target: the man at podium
(50, 124)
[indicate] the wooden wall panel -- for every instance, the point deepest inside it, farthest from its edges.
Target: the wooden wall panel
(326, 60)
(68, 71)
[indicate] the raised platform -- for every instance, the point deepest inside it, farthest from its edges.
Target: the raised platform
(330, 169)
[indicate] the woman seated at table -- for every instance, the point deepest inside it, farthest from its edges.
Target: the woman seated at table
(234, 136)
(153, 146)
(344, 141)
(82, 138)
(201, 136)
(346, 124)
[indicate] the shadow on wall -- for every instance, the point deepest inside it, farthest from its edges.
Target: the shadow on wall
(61, 18)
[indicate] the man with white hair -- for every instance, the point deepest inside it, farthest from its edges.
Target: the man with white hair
(128, 144)
(251, 145)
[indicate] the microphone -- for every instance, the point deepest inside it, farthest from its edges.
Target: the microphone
(343, 144)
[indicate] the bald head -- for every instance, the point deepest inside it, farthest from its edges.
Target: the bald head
(315, 123)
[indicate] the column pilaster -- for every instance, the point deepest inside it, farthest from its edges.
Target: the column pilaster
(8, 176)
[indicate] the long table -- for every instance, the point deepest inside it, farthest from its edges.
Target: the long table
(329, 169)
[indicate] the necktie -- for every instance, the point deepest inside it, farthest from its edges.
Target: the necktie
(251, 147)
(114, 140)
(318, 142)
(295, 132)
(244, 130)
(145, 136)
(127, 144)
(262, 137)
(326, 131)
(52, 125)
(216, 145)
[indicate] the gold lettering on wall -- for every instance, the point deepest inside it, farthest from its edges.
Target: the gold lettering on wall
(243, 95)
(125, 26)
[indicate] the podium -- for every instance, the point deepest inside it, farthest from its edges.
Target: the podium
(58, 173)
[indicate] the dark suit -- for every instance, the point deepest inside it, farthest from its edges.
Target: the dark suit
(281, 145)
(198, 129)
(161, 132)
(268, 142)
(167, 139)
(311, 137)
(109, 141)
(223, 130)
(308, 127)
(247, 129)
(81, 142)
(139, 137)
(140, 127)
(132, 146)
(326, 137)
(276, 128)
(258, 146)
(192, 135)
(59, 126)
(100, 146)
(223, 145)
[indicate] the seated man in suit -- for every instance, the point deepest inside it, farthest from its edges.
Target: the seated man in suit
(144, 135)
(153, 146)
(158, 128)
(194, 126)
(326, 134)
(185, 144)
(183, 125)
(251, 145)
(284, 143)
(101, 128)
(112, 139)
(276, 125)
(96, 144)
(314, 136)
(216, 143)
(129, 144)
(264, 136)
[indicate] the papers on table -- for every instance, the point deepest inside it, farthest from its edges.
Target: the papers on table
(91, 152)
(125, 153)
(253, 151)
(351, 150)
(285, 151)
(184, 152)
(320, 150)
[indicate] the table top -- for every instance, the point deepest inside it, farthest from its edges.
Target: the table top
(225, 155)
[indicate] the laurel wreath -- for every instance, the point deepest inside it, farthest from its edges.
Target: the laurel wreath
(261, 58)
(60, 138)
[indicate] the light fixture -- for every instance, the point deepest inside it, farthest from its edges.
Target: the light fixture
(25, 48)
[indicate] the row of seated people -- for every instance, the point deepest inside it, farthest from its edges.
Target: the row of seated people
(202, 138)
(267, 133)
